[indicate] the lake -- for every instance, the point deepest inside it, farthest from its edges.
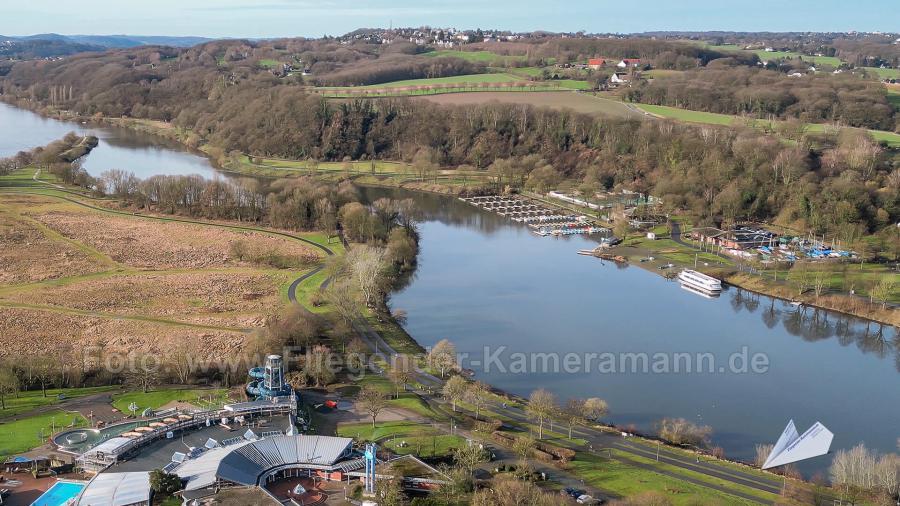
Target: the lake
(485, 281)
(119, 148)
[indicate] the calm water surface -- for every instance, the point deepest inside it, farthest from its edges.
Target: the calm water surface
(485, 281)
(119, 148)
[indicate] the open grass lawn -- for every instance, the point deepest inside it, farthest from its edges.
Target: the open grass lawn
(156, 398)
(23, 435)
(437, 445)
(26, 401)
(421, 439)
(308, 288)
(468, 79)
(523, 71)
(573, 84)
(476, 56)
(885, 73)
(414, 403)
(626, 480)
(382, 430)
(893, 96)
(268, 63)
(774, 55)
(711, 118)
(764, 55)
(582, 102)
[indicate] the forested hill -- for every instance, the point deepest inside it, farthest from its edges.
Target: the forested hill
(841, 182)
(26, 49)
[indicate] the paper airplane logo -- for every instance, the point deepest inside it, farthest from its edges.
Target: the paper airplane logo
(792, 447)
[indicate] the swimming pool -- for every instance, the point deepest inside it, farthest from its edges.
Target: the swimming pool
(61, 493)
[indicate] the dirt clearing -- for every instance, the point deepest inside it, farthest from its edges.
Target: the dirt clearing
(27, 254)
(27, 332)
(169, 295)
(149, 244)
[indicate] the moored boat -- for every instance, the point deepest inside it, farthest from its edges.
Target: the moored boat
(700, 281)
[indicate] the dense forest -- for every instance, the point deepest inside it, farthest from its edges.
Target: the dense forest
(24, 49)
(838, 182)
(845, 99)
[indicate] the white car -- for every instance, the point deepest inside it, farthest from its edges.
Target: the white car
(586, 499)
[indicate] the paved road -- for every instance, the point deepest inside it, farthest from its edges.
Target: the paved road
(599, 441)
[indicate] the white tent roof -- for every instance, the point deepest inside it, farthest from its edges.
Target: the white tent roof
(109, 446)
(116, 489)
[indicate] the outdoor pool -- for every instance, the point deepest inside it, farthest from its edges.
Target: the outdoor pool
(82, 440)
(61, 493)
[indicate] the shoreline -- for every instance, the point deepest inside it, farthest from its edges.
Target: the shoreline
(152, 127)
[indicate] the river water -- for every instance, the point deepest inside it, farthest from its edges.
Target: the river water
(495, 289)
(119, 148)
(484, 281)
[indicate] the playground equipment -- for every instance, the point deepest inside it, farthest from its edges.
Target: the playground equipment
(268, 382)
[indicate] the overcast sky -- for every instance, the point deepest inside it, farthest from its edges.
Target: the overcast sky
(276, 18)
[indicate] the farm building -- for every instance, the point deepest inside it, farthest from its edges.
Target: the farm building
(620, 78)
(629, 63)
(741, 238)
(596, 63)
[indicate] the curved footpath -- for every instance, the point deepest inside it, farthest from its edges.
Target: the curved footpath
(598, 439)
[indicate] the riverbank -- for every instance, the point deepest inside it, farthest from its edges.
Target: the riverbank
(407, 336)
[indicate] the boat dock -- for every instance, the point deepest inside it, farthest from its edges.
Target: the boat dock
(540, 218)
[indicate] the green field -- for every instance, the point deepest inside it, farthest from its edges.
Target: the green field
(156, 398)
(777, 55)
(894, 98)
(790, 55)
(475, 56)
(26, 401)
(626, 480)
(268, 63)
(437, 81)
(711, 118)
(23, 435)
(884, 73)
(420, 438)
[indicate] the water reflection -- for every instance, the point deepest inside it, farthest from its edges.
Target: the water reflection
(120, 148)
(814, 324)
(485, 281)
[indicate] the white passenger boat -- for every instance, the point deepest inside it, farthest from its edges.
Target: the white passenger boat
(700, 281)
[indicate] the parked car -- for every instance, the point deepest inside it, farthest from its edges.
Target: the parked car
(573, 492)
(586, 499)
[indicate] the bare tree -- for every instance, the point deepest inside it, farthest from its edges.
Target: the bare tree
(181, 361)
(402, 371)
(9, 384)
(681, 431)
(443, 356)
(573, 413)
(477, 395)
(455, 389)
(320, 365)
(541, 405)
(762, 453)
(367, 265)
(883, 289)
(373, 401)
(143, 373)
(595, 408)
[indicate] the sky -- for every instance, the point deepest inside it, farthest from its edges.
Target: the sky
(313, 18)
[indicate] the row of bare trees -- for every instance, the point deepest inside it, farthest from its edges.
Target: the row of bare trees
(860, 472)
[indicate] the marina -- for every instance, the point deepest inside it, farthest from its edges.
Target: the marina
(496, 297)
(540, 218)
